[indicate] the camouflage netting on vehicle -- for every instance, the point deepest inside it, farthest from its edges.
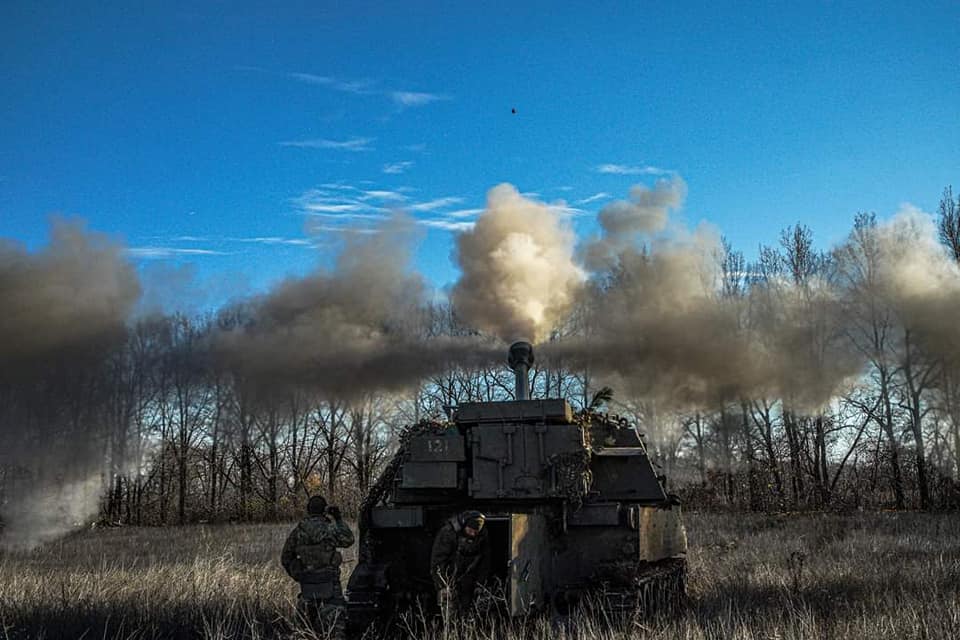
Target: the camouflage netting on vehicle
(598, 427)
(572, 468)
(573, 475)
(385, 481)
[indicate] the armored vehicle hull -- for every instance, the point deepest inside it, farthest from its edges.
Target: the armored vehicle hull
(575, 511)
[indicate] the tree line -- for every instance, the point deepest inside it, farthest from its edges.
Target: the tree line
(169, 438)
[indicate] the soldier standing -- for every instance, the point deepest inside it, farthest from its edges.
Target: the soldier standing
(311, 558)
(459, 560)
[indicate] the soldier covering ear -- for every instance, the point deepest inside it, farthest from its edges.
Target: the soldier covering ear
(311, 558)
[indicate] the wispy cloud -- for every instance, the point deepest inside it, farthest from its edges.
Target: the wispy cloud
(311, 78)
(448, 225)
(275, 240)
(367, 217)
(563, 209)
(597, 196)
(343, 202)
(464, 213)
(364, 86)
(337, 185)
(329, 228)
(627, 170)
(327, 207)
(432, 205)
(169, 252)
(416, 98)
(381, 194)
(351, 144)
(361, 87)
(395, 168)
(343, 207)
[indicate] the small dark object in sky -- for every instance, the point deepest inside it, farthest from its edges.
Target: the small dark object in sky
(514, 110)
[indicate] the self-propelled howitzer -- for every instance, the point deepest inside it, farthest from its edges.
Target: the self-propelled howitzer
(575, 510)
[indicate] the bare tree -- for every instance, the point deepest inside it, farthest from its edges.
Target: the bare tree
(695, 427)
(764, 419)
(920, 373)
(191, 398)
(949, 222)
(949, 227)
(330, 420)
(369, 440)
(870, 326)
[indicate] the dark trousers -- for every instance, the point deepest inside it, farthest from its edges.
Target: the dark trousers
(322, 606)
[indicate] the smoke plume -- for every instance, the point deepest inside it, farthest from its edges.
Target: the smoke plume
(659, 311)
(657, 328)
(76, 291)
(519, 278)
(64, 310)
(661, 324)
(624, 222)
(357, 328)
(915, 275)
(655, 317)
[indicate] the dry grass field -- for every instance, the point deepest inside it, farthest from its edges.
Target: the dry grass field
(886, 575)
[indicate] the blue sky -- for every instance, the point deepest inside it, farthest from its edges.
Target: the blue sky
(216, 136)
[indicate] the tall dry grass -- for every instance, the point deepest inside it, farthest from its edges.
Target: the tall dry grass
(888, 575)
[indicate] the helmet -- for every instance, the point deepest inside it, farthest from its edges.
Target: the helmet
(316, 505)
(472, 519)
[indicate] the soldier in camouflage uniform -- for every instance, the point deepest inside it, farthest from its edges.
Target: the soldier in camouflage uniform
(311, 558)
(459, 560)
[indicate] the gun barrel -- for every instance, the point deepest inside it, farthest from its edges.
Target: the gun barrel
(520, 360)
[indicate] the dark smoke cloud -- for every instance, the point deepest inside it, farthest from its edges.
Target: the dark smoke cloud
(351, 330)
(76, 291)
(64, 309)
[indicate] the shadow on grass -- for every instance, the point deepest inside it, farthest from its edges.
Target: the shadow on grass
(132, 620)
(831, 598)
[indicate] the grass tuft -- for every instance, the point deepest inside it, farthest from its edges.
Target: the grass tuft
(751, 577)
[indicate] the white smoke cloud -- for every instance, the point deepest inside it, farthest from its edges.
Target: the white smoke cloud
(49, 508)
(920, 280)
(519, 277)
(624, 222)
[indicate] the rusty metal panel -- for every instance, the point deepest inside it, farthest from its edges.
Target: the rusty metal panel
(397, 517)
(528, 542)
(554, 411)
(429, 475)
(661, 533)
(437, 448)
